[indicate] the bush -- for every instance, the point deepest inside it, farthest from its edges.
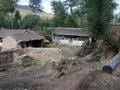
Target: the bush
(26, 62)
(30, 21)
(112, 43)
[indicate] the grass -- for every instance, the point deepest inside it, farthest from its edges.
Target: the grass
(27, 61)
(68, 51)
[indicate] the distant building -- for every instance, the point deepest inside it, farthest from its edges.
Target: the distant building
(116, 29)
(70, 36)
(24, 9)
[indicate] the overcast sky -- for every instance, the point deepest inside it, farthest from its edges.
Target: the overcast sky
(47, 5)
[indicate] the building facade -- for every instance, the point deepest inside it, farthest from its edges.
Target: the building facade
(10, 39)
(70, 36)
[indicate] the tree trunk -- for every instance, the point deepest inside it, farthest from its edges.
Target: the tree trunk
(111, 65)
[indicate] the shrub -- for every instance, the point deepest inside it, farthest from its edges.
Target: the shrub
(26, 62)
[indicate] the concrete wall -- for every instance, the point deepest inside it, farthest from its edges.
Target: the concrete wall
(9, 43)
(45, 55)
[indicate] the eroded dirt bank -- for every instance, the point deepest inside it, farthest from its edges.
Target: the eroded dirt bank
(80, 74)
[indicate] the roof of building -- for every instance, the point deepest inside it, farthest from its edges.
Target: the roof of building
(71, 31)
(8, 32)
(115, 27)
(27, 36)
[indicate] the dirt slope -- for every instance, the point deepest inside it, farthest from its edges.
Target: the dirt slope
(69, 75)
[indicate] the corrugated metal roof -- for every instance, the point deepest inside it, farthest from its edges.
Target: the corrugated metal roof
(71, 31)
(8, 32)
(116, 28)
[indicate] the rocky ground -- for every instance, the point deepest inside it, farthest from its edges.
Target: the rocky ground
(73, 74)
(79, 74)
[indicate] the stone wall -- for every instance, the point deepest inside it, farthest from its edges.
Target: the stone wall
(6, 57)
(43, 55)
(46, 54)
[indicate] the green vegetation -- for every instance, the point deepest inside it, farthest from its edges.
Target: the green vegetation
(6, 6)
(68, 51)
(99, 15)
(27, 61)
(68, 14)
(30, 21)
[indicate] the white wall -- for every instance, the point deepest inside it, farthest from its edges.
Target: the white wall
(0, 44)
(9, 43)
(77, 42)
(65, 41)
(68, 41)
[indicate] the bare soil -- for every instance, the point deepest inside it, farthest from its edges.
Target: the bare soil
(80, 74)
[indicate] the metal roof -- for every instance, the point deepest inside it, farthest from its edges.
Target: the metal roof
(71, 31)
(8, 32)
(27, 36)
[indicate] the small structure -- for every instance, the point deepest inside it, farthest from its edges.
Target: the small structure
(70, 36)
(116, 29)
(7, 32)
(22, 40)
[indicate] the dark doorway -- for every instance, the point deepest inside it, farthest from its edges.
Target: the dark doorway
(34, 43)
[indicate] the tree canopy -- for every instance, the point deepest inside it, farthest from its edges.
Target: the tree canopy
(99, 15)
(35, 5)
(6, 6)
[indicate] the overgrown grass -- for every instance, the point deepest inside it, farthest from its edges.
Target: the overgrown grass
(68, 51)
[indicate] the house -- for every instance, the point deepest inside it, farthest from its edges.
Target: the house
(22, 40)
(70, 36)
(116, 29)
(25, 9)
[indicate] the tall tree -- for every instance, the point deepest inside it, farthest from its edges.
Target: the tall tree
(35, 5)
(75, 16)
(60, 13)
(30, 21)
(6, 6)
(68, 13)
(72, 5)
(99, 14)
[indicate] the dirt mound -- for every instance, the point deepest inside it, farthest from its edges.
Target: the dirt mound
(98, 80)
(77, 75)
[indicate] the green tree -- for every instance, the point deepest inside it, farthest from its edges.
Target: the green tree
(6, 6)
(17, 15)
(60, 13)
(99, 14)
(68, 13)
(30, 21)
(116, 18)
(16, 20)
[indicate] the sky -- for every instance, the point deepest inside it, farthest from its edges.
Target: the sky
(45, 3)
(48, 8)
